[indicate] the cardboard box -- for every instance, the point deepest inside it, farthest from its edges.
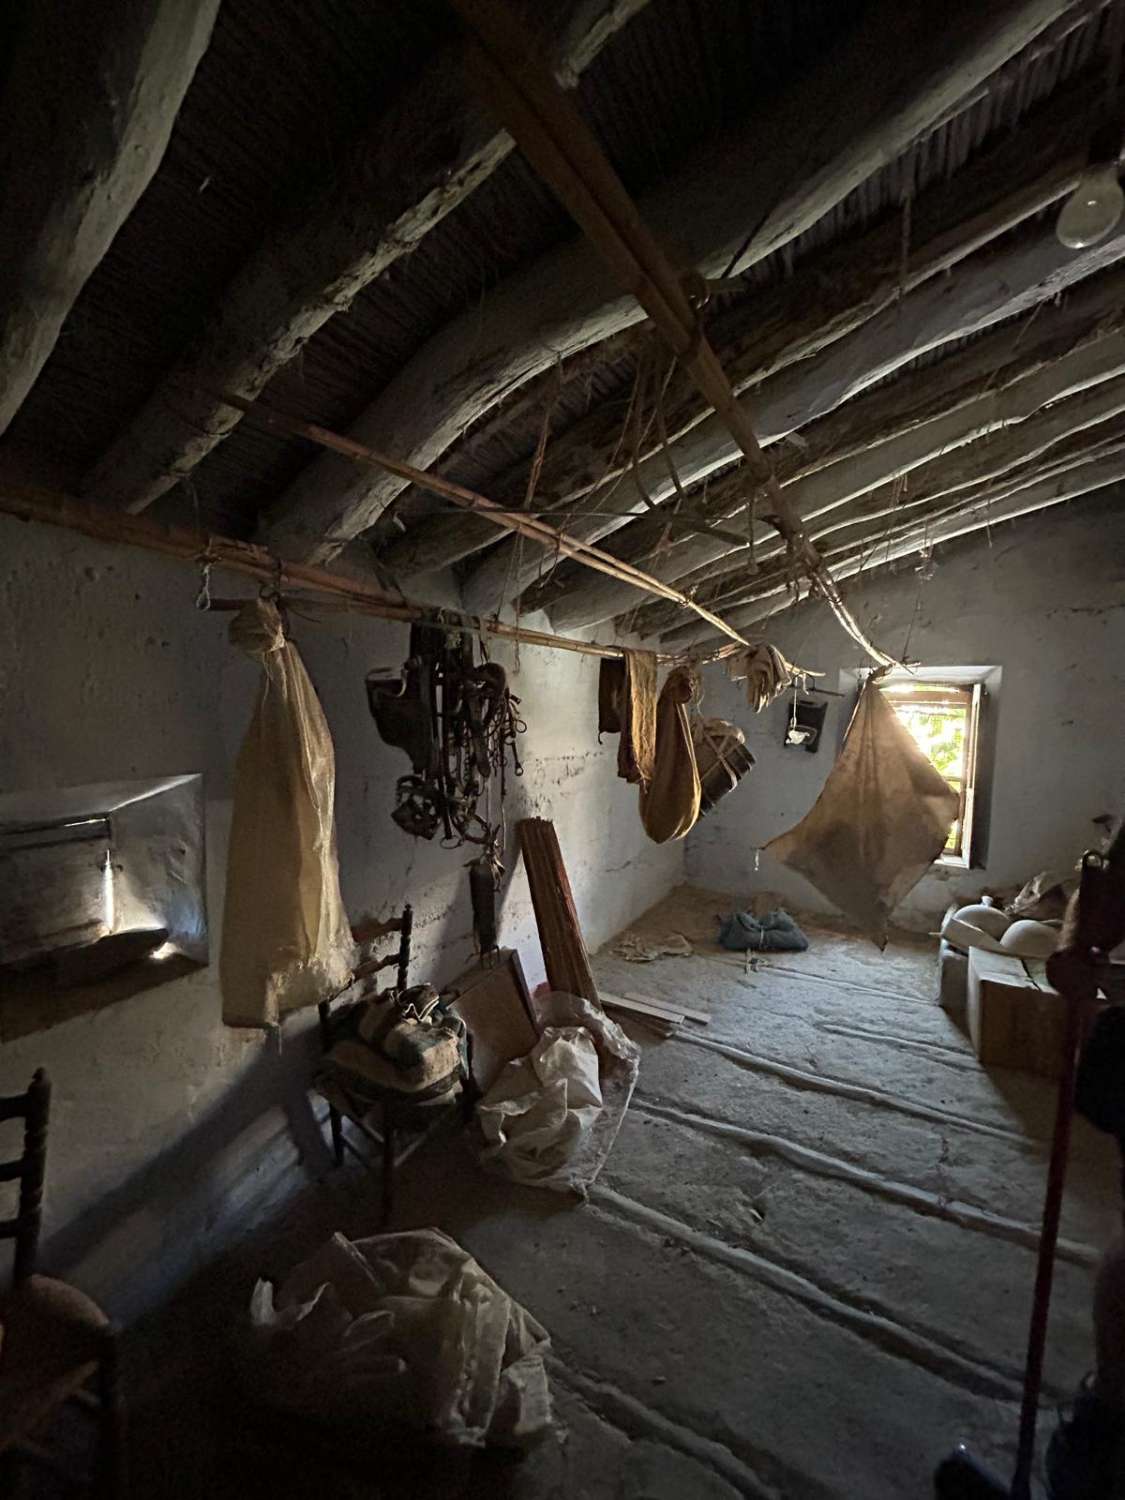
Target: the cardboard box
(1015, 1017)
(953, 979)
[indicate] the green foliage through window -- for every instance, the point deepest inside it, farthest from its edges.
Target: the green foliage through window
(939, 734)
(941, 731)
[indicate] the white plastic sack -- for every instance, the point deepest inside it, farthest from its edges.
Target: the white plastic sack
(286, 938)
(403, 1330)
(551, 1118)
(533, 1116)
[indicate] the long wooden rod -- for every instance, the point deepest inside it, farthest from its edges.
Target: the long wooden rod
(540, 532)
(555, 138)
(28, 503)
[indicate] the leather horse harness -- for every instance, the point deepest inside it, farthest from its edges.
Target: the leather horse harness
(458, 722)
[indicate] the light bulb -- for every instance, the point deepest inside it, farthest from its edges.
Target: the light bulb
(1093, 209)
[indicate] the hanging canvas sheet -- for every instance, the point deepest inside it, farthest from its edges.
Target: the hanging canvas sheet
(878, 825)
(286, 938)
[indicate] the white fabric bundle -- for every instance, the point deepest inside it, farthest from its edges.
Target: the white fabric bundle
(551, 1118)
(403, 1330)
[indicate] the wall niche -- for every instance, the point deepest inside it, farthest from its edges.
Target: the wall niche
(102, 895)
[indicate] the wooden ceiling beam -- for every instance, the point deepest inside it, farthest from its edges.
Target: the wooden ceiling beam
(530, 528)
(1027, 270)
(413, 165)
(564, 303)
(891, 508)
(831, 294)
(1099, 474)
(799, 210)
(89, 102)
(991, 362)
(554, 136)
(874, 536)
(937, 451)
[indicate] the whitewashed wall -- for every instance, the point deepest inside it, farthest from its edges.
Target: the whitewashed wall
(170, 1131)
(1043, 599)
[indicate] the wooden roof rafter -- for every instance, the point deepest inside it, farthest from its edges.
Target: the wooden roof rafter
(558, 307)
(552, 133)
(831, 295)
(1009, 424)
(379, 205)
(530, 527)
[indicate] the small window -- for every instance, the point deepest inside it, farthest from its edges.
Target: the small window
(944, 718)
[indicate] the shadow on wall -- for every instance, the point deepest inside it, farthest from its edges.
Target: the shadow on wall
(227, 1170)
(235, 1166)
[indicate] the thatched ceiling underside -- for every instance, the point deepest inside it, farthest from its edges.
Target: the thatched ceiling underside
(267, 134)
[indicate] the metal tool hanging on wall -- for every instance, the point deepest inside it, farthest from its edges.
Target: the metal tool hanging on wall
(458, 721)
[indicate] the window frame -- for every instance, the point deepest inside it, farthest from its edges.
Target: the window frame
(937, 692)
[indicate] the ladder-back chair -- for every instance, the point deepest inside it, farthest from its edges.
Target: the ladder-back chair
(398, 957)
(56, 1344)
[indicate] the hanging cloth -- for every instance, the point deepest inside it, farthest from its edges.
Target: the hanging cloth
(286, 938)
(670, 804)
(766, 673)
(636, 752)
(879, 823)
(611, 694)
(627, 706)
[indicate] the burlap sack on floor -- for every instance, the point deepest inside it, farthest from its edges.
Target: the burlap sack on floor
(878, 825)
(286, 938)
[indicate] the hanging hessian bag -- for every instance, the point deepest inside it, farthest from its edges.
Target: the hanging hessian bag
(286, 938)
(878, 825)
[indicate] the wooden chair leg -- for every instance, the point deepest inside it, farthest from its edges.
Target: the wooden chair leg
(388, 1163)
(110, 1481)
(337, 1127)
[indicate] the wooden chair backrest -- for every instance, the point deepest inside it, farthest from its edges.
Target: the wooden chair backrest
(373, 932)
(29, 1169)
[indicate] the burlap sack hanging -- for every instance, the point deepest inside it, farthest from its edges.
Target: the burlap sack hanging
(286, 938)
(670, 804)
(878, 825)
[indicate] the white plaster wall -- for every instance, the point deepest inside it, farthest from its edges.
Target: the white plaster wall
(170, 1131)
(1045, 601)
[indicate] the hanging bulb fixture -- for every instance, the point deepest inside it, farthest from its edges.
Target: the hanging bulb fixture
(1093, 209)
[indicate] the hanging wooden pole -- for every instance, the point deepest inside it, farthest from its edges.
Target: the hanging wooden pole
(551, 132)
(28, 503)
(541, 532)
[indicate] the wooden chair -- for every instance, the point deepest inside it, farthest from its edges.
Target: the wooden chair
(396, 1110)
(56, 1345)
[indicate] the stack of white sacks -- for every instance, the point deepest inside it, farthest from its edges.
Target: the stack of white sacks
(984, 925)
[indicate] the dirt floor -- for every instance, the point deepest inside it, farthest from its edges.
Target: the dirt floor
(804, 1272)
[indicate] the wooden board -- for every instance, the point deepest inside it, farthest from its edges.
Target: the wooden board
(643, 1008)
(662, 1022)
(494, 1003)
(1013, 1022)
(564, 949)
(696, 1012)
(661, 1007)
